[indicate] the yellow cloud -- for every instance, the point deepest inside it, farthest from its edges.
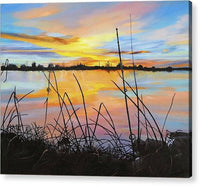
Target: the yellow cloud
(85, 47)
(183, 42)
(165, 50)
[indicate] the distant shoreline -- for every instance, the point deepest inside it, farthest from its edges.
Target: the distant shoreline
(83, 67)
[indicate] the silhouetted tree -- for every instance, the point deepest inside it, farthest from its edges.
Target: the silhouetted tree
(12, 66)
(81, 65)
(6, 62)
(140, 67)
(34, 65)
(23, 66)
(118, 65)
(169, 69)
(57, 66)
(108, 64)
(40, 67)
(50, 65)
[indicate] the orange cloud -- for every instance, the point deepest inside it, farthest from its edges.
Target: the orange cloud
(127, 52)
(146, 63)
(44, 11)
(156, 63)
(21, 51)
(40, 39)
(185, 64)
(102, 20)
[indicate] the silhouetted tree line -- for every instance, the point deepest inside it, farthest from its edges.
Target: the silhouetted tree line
(39, 67)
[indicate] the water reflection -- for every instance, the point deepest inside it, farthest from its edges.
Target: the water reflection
(157, 89)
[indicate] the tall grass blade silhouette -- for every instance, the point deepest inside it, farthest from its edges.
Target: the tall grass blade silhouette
(135, 80)
(170, 107)
(84, 106)
(124, 90)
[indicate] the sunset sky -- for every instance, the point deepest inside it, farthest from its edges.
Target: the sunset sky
(73, 33)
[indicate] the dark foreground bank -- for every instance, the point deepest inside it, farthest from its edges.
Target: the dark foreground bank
(20, 155)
